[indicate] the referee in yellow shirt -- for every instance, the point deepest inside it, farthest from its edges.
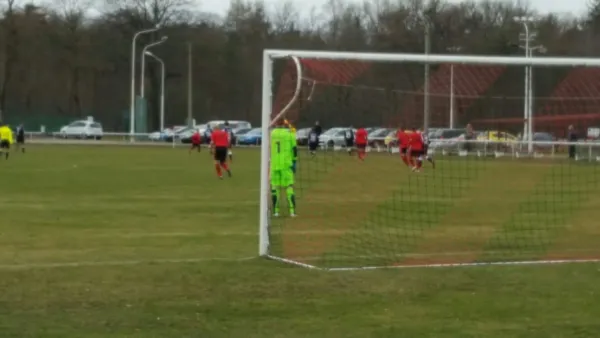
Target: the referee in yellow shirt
(6, 139)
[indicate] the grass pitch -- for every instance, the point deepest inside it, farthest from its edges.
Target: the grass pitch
(144, 242)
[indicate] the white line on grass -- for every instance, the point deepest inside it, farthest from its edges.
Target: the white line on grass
(30, 266)
(329, 232)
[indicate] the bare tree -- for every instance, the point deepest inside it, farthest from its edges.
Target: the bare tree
(10, 39)
(285, 17)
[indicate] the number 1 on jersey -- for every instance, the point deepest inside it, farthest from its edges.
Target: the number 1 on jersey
(278, 144)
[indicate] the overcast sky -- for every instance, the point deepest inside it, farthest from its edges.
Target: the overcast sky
(575, 7)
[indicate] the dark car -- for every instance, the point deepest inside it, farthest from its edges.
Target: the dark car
(543, 137)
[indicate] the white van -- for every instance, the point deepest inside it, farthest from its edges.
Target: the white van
(83, 129)
(234, 125)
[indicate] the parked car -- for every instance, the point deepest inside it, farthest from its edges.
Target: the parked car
(378, 137)
(445, 133)
(253, 137)
(161, 135)
(185, 135)
(177, 134)
(302, 136)
(83, 129)
(334, 137)
(240, 132)
(543, 137)
(233, 124)
(446, 138)
(499, 140)
(369, 130)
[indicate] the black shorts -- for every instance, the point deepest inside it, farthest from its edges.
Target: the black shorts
(361, 146)
(416, 153)
(349, 143)
(20, 139)
(221, 154)
(403, 151)
(196, 145)
(4, 144)
(313, 146)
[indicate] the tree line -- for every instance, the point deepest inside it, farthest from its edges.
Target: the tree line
(61, 61)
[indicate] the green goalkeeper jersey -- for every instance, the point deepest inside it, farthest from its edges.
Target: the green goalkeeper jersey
(283, 144)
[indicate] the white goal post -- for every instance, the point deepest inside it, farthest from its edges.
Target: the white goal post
(270, 55)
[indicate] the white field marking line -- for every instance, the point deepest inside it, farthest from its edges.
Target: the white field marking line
(30, 266)
(416, 255)
(445, 265)
(231, 233)
(480, 264)
(289, 261)
(330, 232)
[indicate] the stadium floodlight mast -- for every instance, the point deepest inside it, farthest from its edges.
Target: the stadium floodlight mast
(143, 74)
(162, 87)
(268, 119)
(453, 49)
(530, 99)
(527, 116)
(426, 104)
(132, 103)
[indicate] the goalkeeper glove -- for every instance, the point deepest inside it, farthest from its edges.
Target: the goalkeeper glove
(294, 166)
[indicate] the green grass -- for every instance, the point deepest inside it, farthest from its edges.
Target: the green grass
(160, 248)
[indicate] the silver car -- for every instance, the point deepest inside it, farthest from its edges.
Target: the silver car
(334, 137)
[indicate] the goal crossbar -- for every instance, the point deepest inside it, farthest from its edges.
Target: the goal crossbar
(550, 61)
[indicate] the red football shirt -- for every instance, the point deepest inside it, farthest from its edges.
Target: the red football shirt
(196, 138)
(220, 138)
(403, 139)
(416, 141)
(361, 136)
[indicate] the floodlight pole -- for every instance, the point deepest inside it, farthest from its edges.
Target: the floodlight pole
(427, 70)
(162, 89)
(189, 86)
(143, 75)
(542, 49)
(527, 106)
(452, 98)
(132, 103)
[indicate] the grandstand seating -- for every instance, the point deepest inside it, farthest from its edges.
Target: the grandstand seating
(470, 82)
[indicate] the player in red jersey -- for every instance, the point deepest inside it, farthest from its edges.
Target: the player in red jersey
(361, 139)
(220, 146)
(196, 141)
(416, 150)
(403, 143)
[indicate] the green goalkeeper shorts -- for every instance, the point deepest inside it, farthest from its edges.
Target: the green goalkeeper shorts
(282, 178)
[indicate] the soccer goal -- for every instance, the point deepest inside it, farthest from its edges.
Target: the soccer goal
(506, 184)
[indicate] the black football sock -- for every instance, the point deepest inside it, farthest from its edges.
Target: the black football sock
(275, 200)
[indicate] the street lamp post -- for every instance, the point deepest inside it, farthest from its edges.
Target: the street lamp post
(162, 88)
(143, 75)
(132, 103)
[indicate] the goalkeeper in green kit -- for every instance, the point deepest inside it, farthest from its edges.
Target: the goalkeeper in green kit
(283, 154)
